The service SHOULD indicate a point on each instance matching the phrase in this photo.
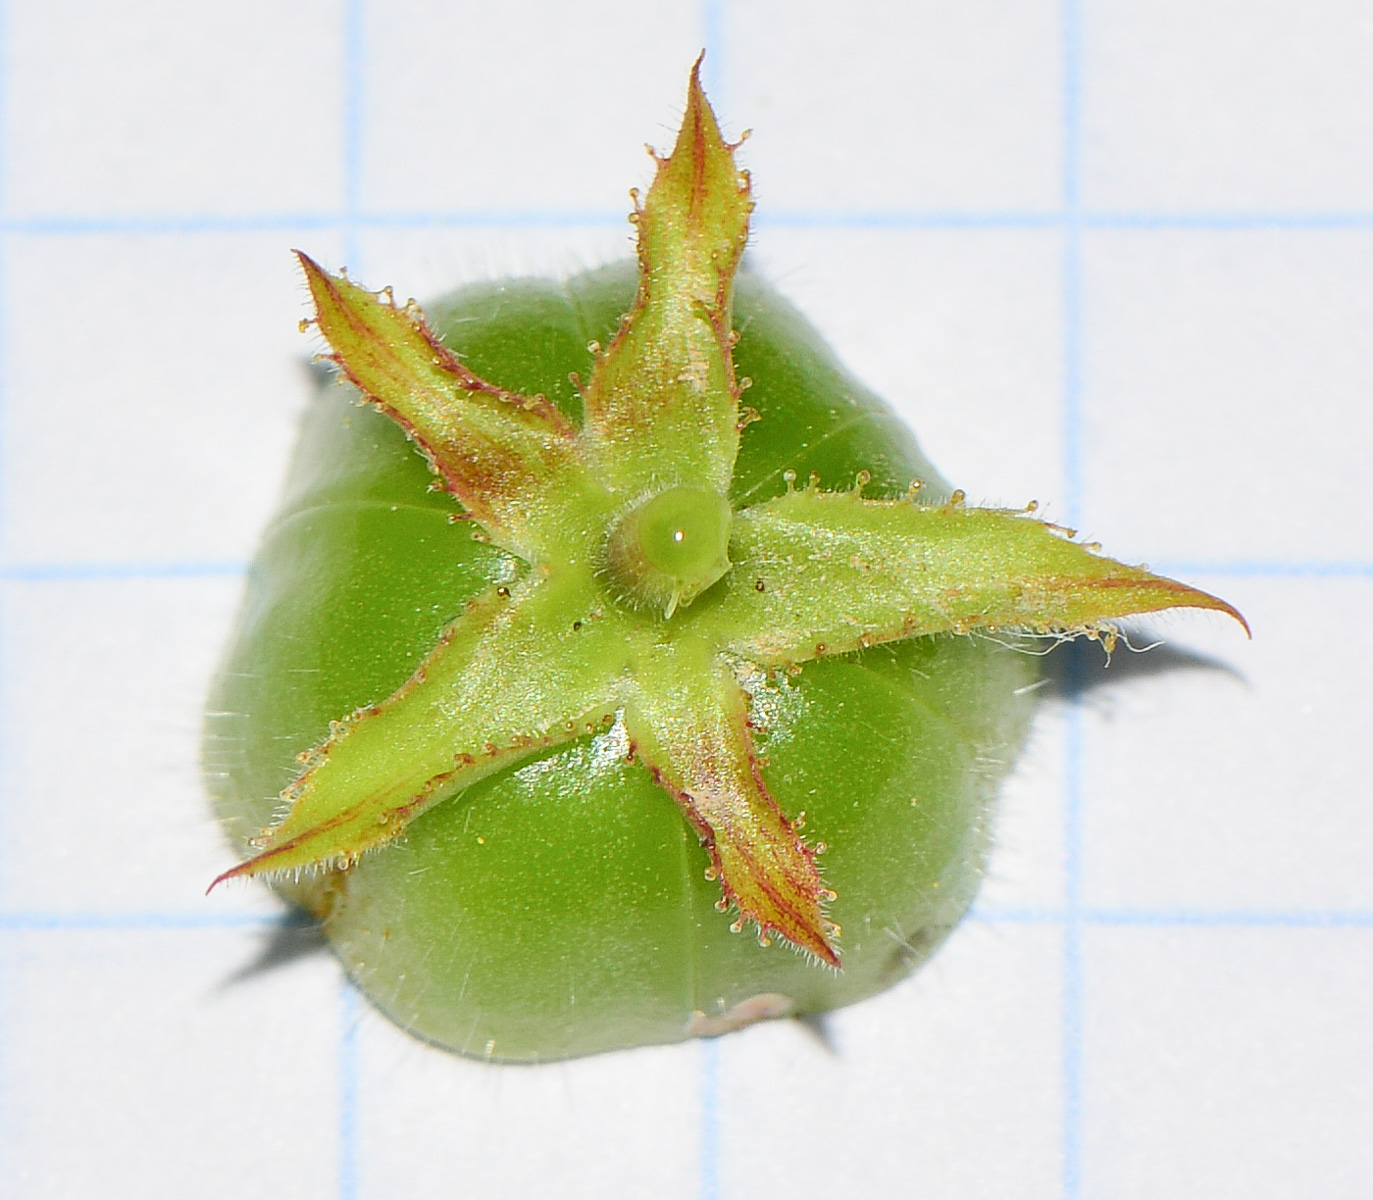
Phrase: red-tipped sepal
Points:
(697, 745)
(511, 460)
(662, 405)
(819, 573)
(511, 676)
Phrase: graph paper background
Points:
(1114, 255)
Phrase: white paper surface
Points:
(1114, 256)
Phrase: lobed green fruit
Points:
(473, 731)
(562, 906)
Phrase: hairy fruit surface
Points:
(627, 711)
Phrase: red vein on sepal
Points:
(489, 694)
(700, 753)
(395, 821)
(844, 573)
(662, 401)
(511, 460)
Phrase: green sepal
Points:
(511, 460)
(688, 723)
(510, 677)
(662, 404)
(819, 573)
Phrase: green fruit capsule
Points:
(650, 743)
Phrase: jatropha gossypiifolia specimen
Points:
(617, 616)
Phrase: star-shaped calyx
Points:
(644, 596)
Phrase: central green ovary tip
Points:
(670, 548)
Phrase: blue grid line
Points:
(83, 572)
(709, 1094)
(1071, 416)
(535, 218)
(350, 1013)
(83, 921)
(900, 219)
(80, 572)
(1242, 919)
(83, 226)
(1242, 568)
(1208, 222)
(1182, 918)
(1072, 980)
(291, 222)
(354, 84)
(4, 484)
(1223, 222)
(713, 39)
(1072, 984)
(90, 922)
